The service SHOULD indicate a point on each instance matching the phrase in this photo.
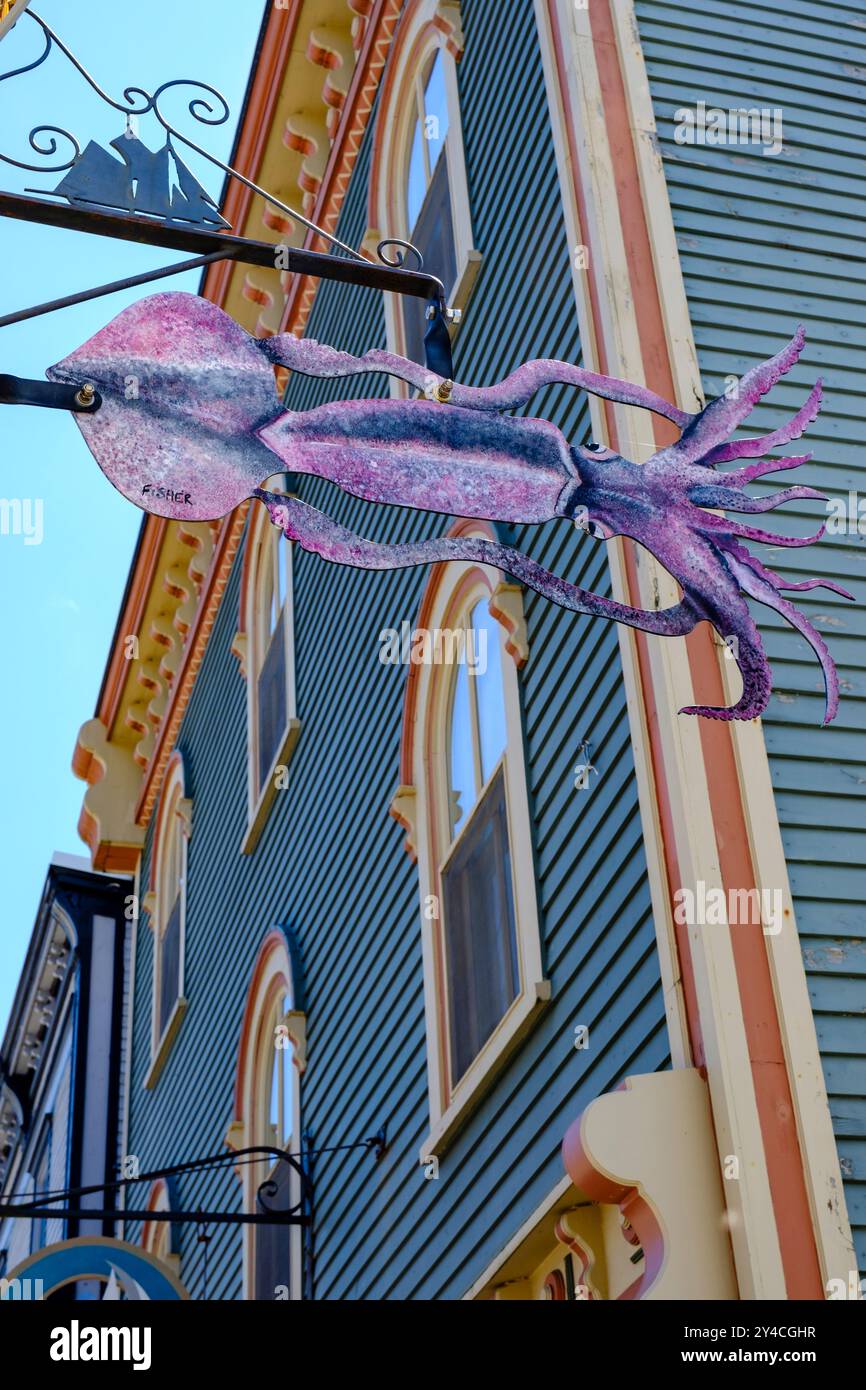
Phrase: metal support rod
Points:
(229, 1218)
(194, 240)
(68, 300)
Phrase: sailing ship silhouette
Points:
(156, 184)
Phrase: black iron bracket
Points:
(19, 390)
(301, 1214)
(212, 247)
(196, 241)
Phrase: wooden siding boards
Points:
(767, 242)
(330, 860)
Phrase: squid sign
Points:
(189, 425)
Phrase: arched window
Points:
(267, 1114)
(418, 188)
(165, 903)
(464, 801)
(157, 1236)
(266, 646)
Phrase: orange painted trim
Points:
(158, 1194)
(174, 761)
(656, 751)
(274, 941)
(409, 740)
(391, 97)
(599, 1187)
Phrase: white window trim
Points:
(271, 981)
(261, 799)
(158, 902)
(423, 806)
(425, 27)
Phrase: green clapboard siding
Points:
(768, 242)
(331, 862)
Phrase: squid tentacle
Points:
(317, 359)
(765, 592)
(761, 444)
(731, 500)
(717, 421)
(317, 532)
(745, 557)
(740, 476)
(711, 523)
(754, 669)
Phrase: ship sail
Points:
(96, 178)
(154, 184)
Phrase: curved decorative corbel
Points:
(649, 1149)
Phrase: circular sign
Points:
(127, 1270)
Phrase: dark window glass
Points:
(273, 1243)
(433, 234)
(169, 968)
(479, 927)
(272, 701)
(39, 1226)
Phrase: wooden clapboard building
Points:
(436, 904)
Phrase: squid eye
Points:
(594, 448)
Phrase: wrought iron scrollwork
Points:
(208, 107)
(398, 260)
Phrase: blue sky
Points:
(61, 597)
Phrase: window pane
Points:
(462, 765)
(417, 185)
(274, 1104)
(169, 967)
(273, 1243)
(272, 702)
(282, 571)
(435, 109)
(433, 234)
(489, 694)
(479, 929)
(288, 1081)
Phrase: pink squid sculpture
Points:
(190, 425)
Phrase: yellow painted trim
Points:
(805, 1071)
(268, 793)
(165, 1044)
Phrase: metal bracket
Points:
(19, 390)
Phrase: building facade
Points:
(411, 848)
(61, 1080)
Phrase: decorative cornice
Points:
(373, 48)
(223, 558)
(106, 823)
